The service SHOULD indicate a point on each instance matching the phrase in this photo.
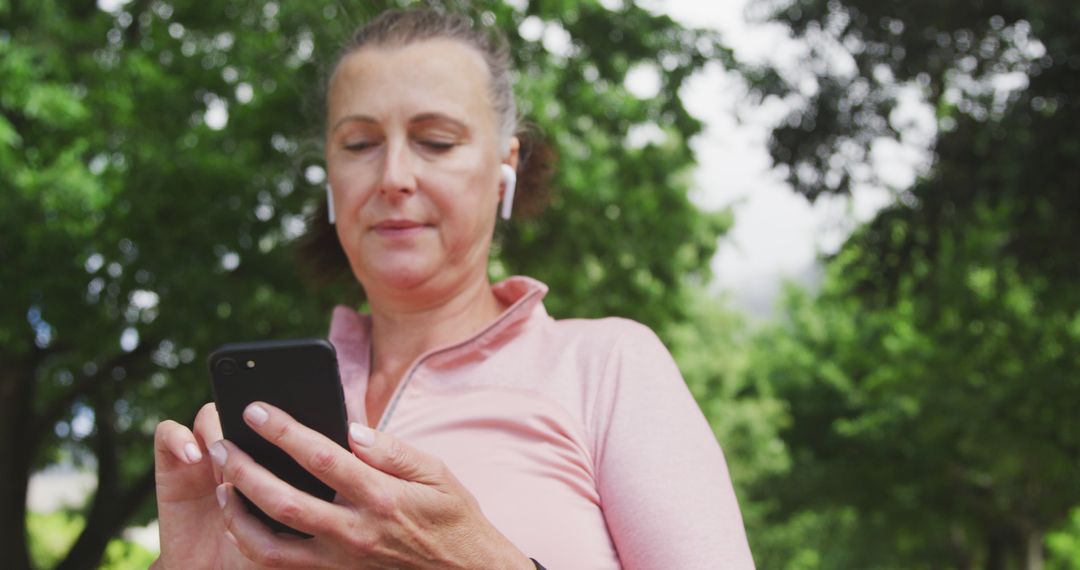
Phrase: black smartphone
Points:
(299, 376)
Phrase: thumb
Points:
(395, 457)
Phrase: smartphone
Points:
(299, 376)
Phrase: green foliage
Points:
(931, 386)
(602, 231)
(51, 535)
(1063, 546)
(153, 169)
(955, 406)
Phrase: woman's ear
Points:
(513, 153)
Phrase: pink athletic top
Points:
(578, 438)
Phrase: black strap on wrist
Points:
(538, 565)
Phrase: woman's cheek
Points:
(351, 196)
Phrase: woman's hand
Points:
(396, 507)
(191, 526)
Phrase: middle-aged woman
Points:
(502, 438)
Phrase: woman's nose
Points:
(398, 175)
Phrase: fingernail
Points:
(218, 453)
(222, 494)
(256, 414)
(229, 535)
(361, 434)
(192, 453)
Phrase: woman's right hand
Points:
(190, 523)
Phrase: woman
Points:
(504, 438)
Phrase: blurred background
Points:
(854, 222)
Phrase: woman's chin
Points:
(400, 277)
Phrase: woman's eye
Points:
(359, 146)
(438, 146)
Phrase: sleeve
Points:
(663, 482)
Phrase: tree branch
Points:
(59, 406)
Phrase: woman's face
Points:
(413, 157)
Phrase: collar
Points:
(350, 332)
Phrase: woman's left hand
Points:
(396, 506)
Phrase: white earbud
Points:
(329, 203)
(509, 181)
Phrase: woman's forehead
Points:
(440, 75)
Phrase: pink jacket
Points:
(578, 438)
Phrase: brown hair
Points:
(320, 249)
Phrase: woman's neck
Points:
(402, 333)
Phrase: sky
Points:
(778, 235)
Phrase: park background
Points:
(908, 399)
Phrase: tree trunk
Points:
(112, 506)
(1033, 550)
(962, 556)
(16, 394)
(997, 550)
(90, 546)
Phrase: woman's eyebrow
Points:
(438, 117)
(421, 118)
(353, 119)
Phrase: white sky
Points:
(778, 235)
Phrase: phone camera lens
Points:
(227, 366)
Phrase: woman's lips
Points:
(398, 228)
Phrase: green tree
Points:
(945, 422)
(931, 385)
(157, 162)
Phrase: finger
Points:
(395, 457)
(208, 423)
(207, 430)
(323, 458)
(257, 542)
(175, 444)
(181, 472)
(281, 501)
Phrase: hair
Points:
(320, 248)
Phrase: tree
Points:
(945, 422)
(929, 385)
(157, 162)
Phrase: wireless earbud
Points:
(329, 203)
(509, 176)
